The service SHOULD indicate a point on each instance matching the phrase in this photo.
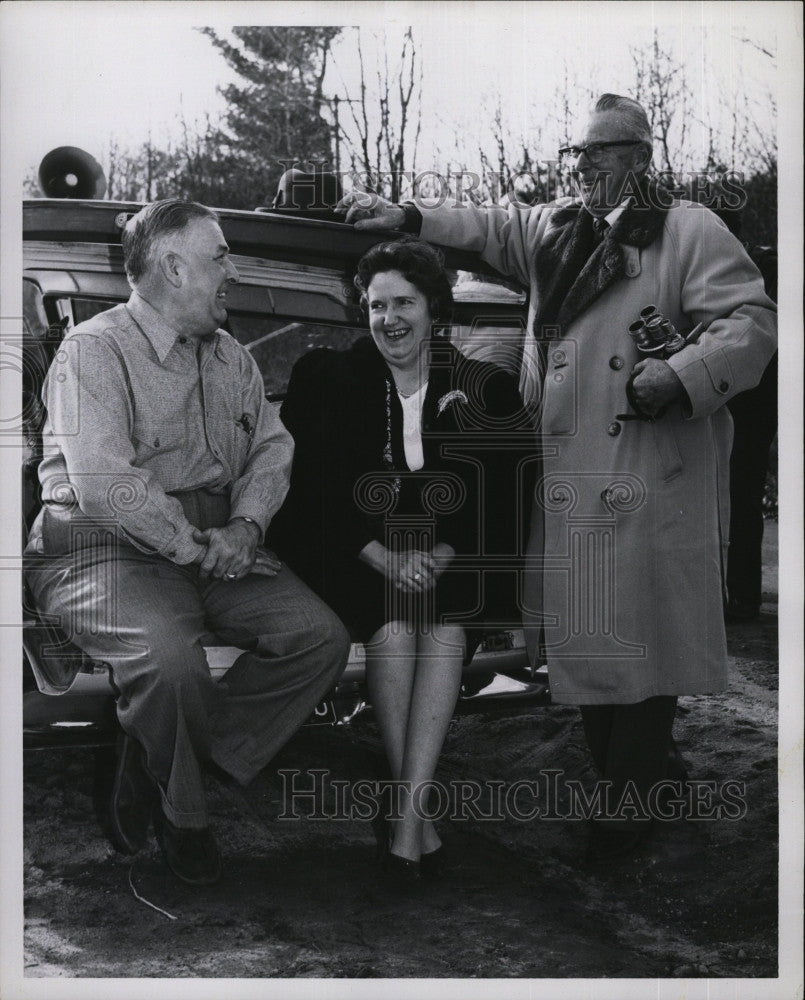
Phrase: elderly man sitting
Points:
(163, 467)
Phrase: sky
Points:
(79, 73)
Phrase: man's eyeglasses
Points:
(594, 151)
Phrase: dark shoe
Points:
(133, 799)
(740, 611)
(192, 855)
(433, 865)
(675, 767)
(607, 844)
(400, 872)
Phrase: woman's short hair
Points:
(417, 262)
(146, 230)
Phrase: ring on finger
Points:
(417, 576)
(231, 576)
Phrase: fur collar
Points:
(639, 226)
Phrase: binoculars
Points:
(654, 335)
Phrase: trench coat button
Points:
(559, 377)
(171, 555)
(723, 385)
(614, 429)
(559, 357)
(616, 363)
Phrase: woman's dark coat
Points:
(350, 482)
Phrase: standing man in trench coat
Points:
(630, 517)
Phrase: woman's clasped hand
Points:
(417, 571)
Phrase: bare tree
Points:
(661, 87)
(384, 128)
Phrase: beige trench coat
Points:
(630, 519)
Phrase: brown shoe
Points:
(192, 855)
(133, 799)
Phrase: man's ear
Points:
(169, 266)
(642, 157)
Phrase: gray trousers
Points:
(146, 616)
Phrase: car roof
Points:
(259, 234)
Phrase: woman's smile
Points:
(399, 318)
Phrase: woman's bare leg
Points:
(390, 668)
(436, 682)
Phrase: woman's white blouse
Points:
(412, 427)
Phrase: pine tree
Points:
(276, 117)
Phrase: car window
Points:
(84, 309)
(277, 343)
(281, 311)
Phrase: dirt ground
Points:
(300, 898)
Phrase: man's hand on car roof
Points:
(366, 210)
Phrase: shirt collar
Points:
(616, 213)
(160, 334)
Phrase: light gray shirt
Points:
(136, 412)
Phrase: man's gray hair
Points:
(633, 116)
(145, 231)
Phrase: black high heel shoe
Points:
(433, 865)
(401, 871)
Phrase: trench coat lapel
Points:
(603, 268)
(562, 244)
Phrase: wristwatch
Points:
(250, 520)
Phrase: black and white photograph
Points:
(402, 489)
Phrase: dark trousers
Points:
(631, 743)
(754, 414)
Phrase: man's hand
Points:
(655, 385)
(369, 211)
(266, 563)
(231, 551)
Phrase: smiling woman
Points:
(387, 524)
(400, 321)
(405, 291)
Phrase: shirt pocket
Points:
(153, 437)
